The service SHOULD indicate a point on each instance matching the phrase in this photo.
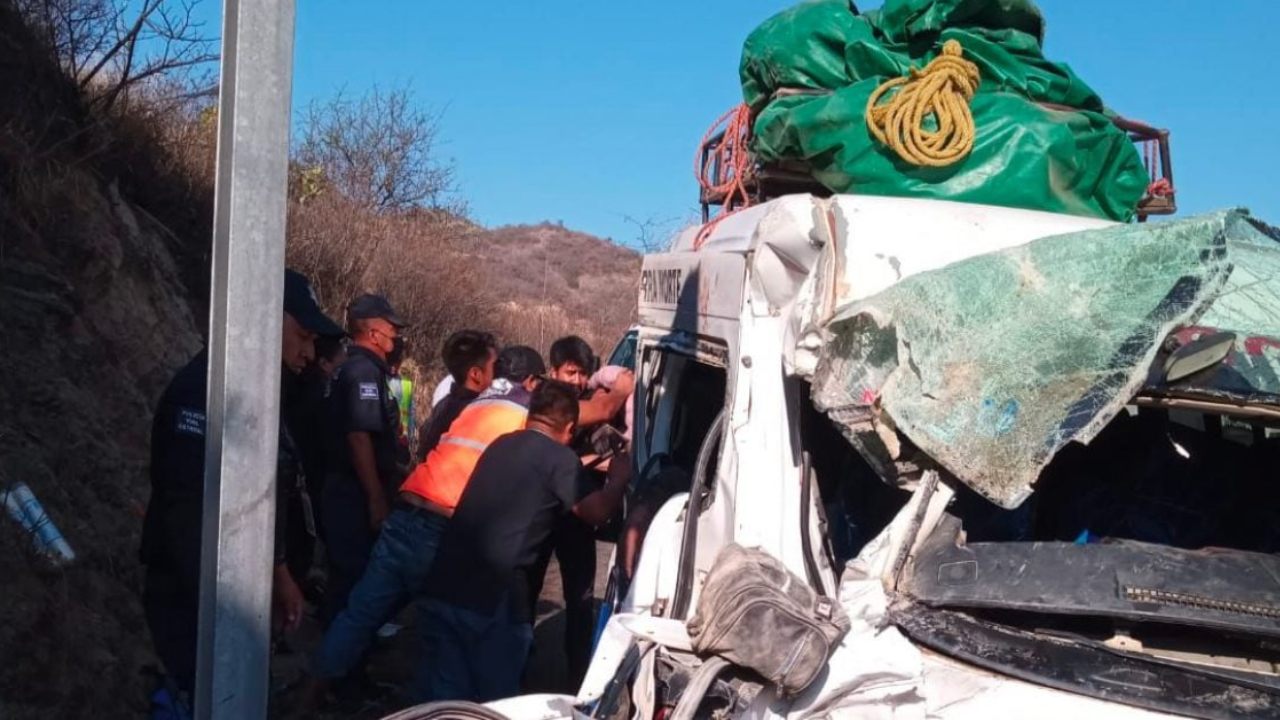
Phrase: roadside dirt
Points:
(392, 660)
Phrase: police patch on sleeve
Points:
(190, 422)
(368, 391)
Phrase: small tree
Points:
(652, 234)
(379, 151)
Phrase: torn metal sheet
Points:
(871, 243)
(994, 363)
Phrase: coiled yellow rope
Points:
(943, 89)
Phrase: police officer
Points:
(305, 419)
(171, 534)
(364, 432)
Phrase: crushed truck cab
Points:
(1017, 511)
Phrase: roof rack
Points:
(764, 182)
(1160, 198)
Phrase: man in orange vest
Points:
(404, 551)
(478, 620)
(469, 356)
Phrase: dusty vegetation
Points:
(107, 127)
(371, 209)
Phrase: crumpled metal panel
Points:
(994, 363)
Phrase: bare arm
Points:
(366, 467)
(633, 532)
(596, 509)
(604, 404)
(287, 597)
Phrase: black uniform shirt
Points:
(360, 401)
(306, 421)
(442, 416)
(172, 527)
(524, 483)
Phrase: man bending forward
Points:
(478, 625)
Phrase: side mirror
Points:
(1197, 355)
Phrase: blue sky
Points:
(588, 112)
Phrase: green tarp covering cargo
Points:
(808, 72)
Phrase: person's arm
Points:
(366, 467)
(286, 595)
(604, 404)
(436, 426)
(633, 532)
(363, 389)
(596, 508)
(287, 599)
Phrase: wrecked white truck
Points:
(1030, 456)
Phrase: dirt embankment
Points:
(93, 319)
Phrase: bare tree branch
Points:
(110, 47)
(652, 234)
(379, 151)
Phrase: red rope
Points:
(732, 159)
(1159, 186)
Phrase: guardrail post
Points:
(246, 311)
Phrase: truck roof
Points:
(953, 223)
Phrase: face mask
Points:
(397, 351)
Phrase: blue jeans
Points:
(396, 574)
(469, 655)
(348, 541)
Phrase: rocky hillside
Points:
(551, 281)
(93, 318)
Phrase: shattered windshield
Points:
(991, 365)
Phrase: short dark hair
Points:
(575, 350)
(517, 362)
(466, 349)
(554, 403)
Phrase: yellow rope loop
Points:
(943, 89)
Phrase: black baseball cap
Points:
(369, 306)
(300, 302)
(517, 362)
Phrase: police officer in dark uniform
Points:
(364, 432)
(307, 400)
(171, 534)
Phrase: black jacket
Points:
(171, 530)
(442, 416)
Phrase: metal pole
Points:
(246, 312)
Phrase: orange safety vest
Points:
(443, 476)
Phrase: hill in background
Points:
(552, 281)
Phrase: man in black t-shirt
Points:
(479, 626)
(573, 541)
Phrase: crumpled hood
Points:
(992, 364)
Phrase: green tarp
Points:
(991, 365)
(1025, 155)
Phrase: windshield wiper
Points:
(1075, 666)
(1230, 590)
